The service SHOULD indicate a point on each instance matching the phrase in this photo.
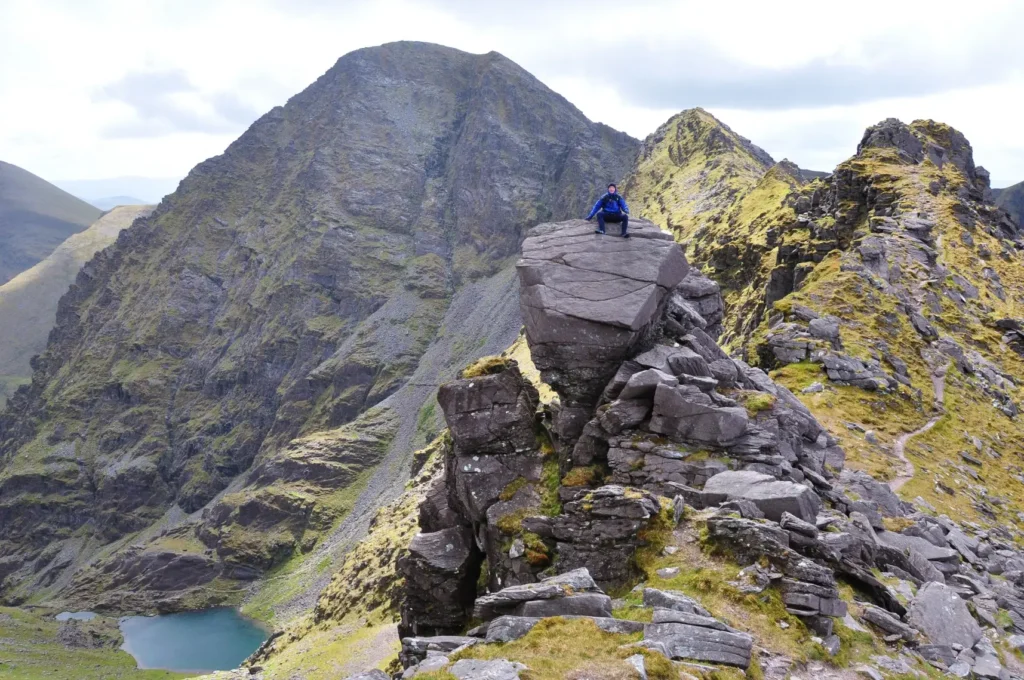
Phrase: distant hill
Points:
(109, 202)
(35, 218)
(1011, 199)
(28, 302)
(809, 174)
(148, 189)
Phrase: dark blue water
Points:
(209, 640)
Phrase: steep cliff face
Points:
(258, 328)
(35, 217)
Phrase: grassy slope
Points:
(28, 302)
(30, 650)
(35, 217)
(870, 316)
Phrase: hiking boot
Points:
(599, 231)
(626, 235)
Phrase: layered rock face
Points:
(246, 330)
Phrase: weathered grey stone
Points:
(914, 543)
(943, 654)
(825, 328)
(939, 612)
(508, 628)
(370, 675)
(495, 669)
(697, 643)
(429, 665)
(643, 384)
(771, 496)
(744, 507)
(637, 662)
(887, 622)
(879, 496)
(674, 600)
(490, 414)
(598, 530)
(507, 600)
(662, 615)
(440, 571)
(687, 413)
(589, 303)
(416, 649)
(793, 523)
(988, 666)
(582, 604)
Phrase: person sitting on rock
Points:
(611, 208)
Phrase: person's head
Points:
(612, 189)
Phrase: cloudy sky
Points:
(95, 89)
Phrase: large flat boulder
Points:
(699, 643)
(942, 615)
(771, 496)
(569, 585)
(589, 301)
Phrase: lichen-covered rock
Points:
(599, 531)
(699, 643)
(495, 669)
(490, 414)
(509, 600)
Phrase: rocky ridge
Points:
(882, 293)
(778, 500)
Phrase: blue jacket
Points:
(610, 203)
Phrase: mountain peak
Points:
(700, 163)
(926, 139)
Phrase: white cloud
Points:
(106, 88)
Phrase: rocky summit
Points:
(223, 382)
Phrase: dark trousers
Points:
(603, 217)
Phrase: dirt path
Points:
(899, 448)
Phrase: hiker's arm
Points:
(593, 211)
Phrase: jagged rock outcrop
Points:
(290, 286)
